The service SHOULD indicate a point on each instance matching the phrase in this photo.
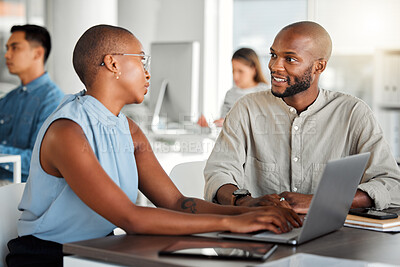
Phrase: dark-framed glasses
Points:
(144, 58)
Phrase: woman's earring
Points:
(117, 76)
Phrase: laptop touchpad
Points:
(295, 232)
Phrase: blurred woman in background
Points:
(247, 76)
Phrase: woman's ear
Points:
(111, 63)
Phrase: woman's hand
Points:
(219, 122)
(275, 219)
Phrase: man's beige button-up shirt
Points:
(266, 147)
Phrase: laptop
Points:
(329, 206)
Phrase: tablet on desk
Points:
(220, 250)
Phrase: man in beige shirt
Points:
(274, 144)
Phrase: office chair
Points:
(189, 178)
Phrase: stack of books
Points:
(389, 225)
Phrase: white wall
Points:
(358, 27)
(141, 18)
(208, 22)
(218, 20)
(67, 21)
(205, 21)
(165, 21)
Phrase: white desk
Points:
(171, 150)
(16, 160)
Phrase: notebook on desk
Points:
(390, 225)
(329, 206)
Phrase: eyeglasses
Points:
(145, 59)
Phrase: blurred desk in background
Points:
(173, 149)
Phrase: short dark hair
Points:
(35, 33)
(93, 45)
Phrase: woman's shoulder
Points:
(262, 86)
(70, 105)
(232, 90)
(256, 99)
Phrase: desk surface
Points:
(142, 250)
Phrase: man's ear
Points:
(39, 52)
(321, 65)
(111, 63)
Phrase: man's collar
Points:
(36, 83)
(318, 102)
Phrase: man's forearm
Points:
(362, 200)
(224, 197)
(224, 194)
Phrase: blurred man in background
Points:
(24, 109)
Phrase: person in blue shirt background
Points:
(24, 109)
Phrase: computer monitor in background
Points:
(174, 85)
